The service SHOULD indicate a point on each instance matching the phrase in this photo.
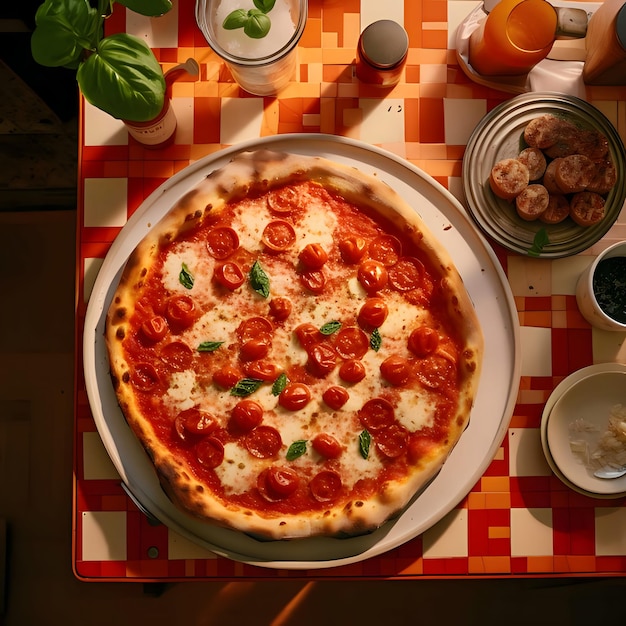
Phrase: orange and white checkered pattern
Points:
(519, 519)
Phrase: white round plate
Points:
(590, 400)
(485, 282)
(599, 488)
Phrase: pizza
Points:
(293, 348)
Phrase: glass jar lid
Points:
(384, 44)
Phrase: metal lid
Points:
(384, 44)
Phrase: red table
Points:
(519, 519)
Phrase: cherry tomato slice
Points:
(263, 442)
(155, 328)
(313, 256)
(227, 376)
(294, 396)
(352, 371)
(144, 377)
(322, 359)
(276, 483)
(351, 343)
(177, 354)
(325, 485)
(373, 313)
(180, 311)
(283, 200)
(278, 235)
(396, 370)
(335, 397)
(253, 327)
(423, 341)
(392, 441)
(282, 480)
(308, 335)
(194, 422)
(280, 308)
(436, 372)
(352, 249)
(246, 415)
(406, 274)
(326, 445)
(222, 241)
(313, 280)
(372, 275)
(229, 275)
(256, 347)
(261, 370)
(386, 249)
(377, 414)
(210, 452)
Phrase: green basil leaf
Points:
(236, 19)
(257, 24)
(209, 346)
(539, 242)
(64, 29)
(330, 327)
(264, 5)
(279, 384)
(245, 387)
(259, 280)
(186, 277)
(365, 441)
(296, 449)
(123, 78)
(376, 340)
(150, 8)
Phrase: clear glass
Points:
(513, 38)
(260, 66)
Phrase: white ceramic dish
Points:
(554, 396)
(588, 398)
(486, 283)
(586, 298)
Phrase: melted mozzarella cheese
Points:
(223, 314)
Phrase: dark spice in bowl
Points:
(609, 287)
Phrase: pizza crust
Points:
(250, 174)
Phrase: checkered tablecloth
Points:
(519, 519)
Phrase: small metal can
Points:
(381, 53)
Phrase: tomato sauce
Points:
(387, 259)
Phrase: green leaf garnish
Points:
(279, 384)
(376, 340)
(365, 441)
(236, 19)
(255, 22)
(257, 25)
(264, 5)
(245, 387)
(296, 449)
(186, 277)
(259, 280)
(209, 346)
(539, 242)
(330, 327)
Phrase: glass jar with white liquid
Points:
(265, 62)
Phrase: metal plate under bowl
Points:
(499, 135)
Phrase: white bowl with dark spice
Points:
(601, 289)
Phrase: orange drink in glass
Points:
(514, 37)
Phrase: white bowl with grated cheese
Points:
(586, 430)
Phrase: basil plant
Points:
(118, 73)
